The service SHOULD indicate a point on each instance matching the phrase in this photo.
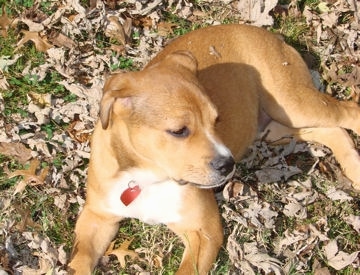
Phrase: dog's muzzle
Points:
(223, 168)
(224, 165)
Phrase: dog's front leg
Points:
(201, 231)
(93, 234)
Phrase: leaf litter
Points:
(268, 209)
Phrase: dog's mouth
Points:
(202, 186)
(208, 186)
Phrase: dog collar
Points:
(130, 193)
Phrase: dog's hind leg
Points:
(304, 106)
(201, 232)
(93, 235)
(337, 139)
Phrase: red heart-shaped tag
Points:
(130, 194)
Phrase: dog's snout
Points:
(223, 164)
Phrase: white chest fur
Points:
(158, 201)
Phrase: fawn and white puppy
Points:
(171, 132)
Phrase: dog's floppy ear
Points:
(184, 59)
(114, 90)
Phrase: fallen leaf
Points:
(261, 260)
(238, 190)
(16, 150)
(35, 14)
(4, 85)
(290, 238)
(77, 132)
(340, 195)
(147, 9)
(39, 105)
(276, 173)
(231, 215)
(62, 255)
(60, 201)
(45, 266)
(30, 176)
(354, 221)
(61, 40)
(165, 28)
(26, 220)
(256, 12)
(322, 271)
(329, 19)
(42, 100)
(5, 62)
(143, 22)
(5, 22)
(338, 259)
(122, 252)
(295, 209)
(116, 31)
(41, 44)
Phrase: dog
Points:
(169, 134)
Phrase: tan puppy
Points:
(164, 132)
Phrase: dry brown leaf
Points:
(41, 44)
(35, 14)
(122, 252)
(319, 269)
(16, 150)
(354, 221)
(199, 13)
(61, 201)
(336, 194)
(165, 28)
(276, 173)
(295, 209)
(45, 266)
(61, 40)
(158, 261)
(127, 26)
(143, 22)
(5, 263)
(322, 271)
(248, 256)
(147, 9)
(256, 12)
(30, 176)
(117, 48)
(5, 22)
(26, 220)
(236, 189)
(116, 31)
(77, 134)
(338, 259)
(41, 100)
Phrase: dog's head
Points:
(166, 122)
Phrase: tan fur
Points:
(169, 124)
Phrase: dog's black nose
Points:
(225, 165)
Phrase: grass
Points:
(9, 164)
(159, 249)
(123, 63)
(16, 97)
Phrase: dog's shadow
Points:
(243, 115)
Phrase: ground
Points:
(288, 210)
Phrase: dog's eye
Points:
(181, 133)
